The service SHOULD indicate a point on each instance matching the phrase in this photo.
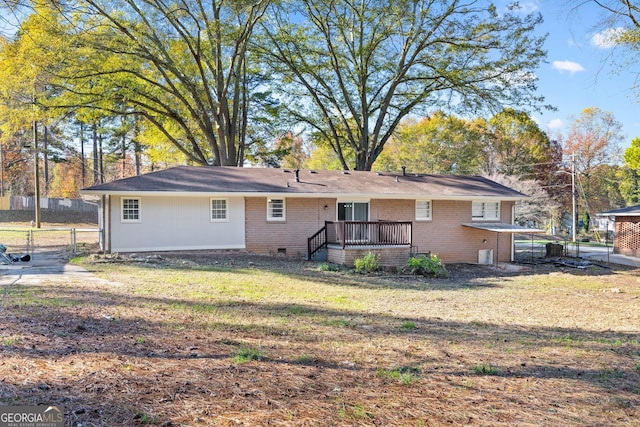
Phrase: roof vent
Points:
(404, 171)
(297, 172)
(345, 172)
(397, 180)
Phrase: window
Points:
(485, 210)
(131, 210)
(423, 210)
(219, 210)
(275, 210)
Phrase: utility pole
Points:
(36, 173)
(573, 197)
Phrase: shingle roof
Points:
(628, 211)
(230, 180)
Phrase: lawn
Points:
(256, 341)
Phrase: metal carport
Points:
(501, 227)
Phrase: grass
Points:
(408, 326)
(230, 343)
(246, 354)
(405, 374)
(19, 239)
(485, 369)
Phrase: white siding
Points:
(177, 223)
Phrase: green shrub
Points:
(367, 264)
(427, 265)
(485, 369)
(408, 326)
(405, 374)
(326, 266)
(246, 354)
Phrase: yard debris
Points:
(580, 264)
(8, 259)
(123, 258)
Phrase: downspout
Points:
(102, 231)
(513, 236)
(109, 229)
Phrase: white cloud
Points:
(570, 66)
(555, 124)
(606, 39)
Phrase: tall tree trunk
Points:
(82, 157)
(124, 155)
(94, 136)
(101, 160)
(137, 147)
(1, 172)
(45, 159)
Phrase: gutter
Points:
(95, 195)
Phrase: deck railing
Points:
(317, 242)
(368, 233)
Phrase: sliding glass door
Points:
(355, 211)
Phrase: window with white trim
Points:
(275, 210)
(423, 210)
(130, 210)
(485, 211)
(219, 210)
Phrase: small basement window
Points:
(423, 210)
(485, 211)
(219, 210)
(130, 210)
(275, 210)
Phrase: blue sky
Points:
(580, 73)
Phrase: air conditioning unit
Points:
(485, 256)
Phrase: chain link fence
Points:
(26, 240)
(538, 249)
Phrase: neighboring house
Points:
(626, 240)
(335, 214)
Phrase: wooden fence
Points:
(27, 203)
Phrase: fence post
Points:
(30, 243)
(74, 245)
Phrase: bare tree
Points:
(354, 70)
(539, 208)
(182, 66)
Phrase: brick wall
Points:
(303, 218)
(387, 257)
(627, 236)
(444, 235)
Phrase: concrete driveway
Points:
(611, 258)
(48, 266)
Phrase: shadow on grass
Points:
(49, 322)
(71, 315)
